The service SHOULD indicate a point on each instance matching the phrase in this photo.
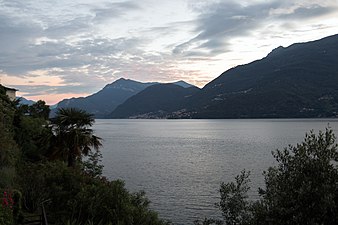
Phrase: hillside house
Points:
(11, 93)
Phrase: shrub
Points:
(75, 196)
(6, 208)
(301, 189)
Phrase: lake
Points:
(180, 164)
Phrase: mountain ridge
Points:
(298, 81)
(286, 83)
(156, 101)
(109, 97)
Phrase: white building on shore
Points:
(11, 93)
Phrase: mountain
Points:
(107, 99)
(298, 81)
(157, 101)
(183, 84)
(24, 101)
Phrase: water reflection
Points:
(181, 163)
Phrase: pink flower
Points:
(10, 198)
(7, 200)
(4, 202)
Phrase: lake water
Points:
(181, 163)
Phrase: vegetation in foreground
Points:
(301, 189)
(41, 161)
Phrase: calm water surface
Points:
(181, 163)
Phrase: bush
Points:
(8, 148)
(6, 216)
(77, 194)
(6, 208)
(234, 204)
(76, 197)
(301, 189)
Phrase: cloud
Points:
(54, 41)
(220, 22)
(87, 44)
(71, 27)
(36, 90)
(113, 9)
(30, 52)
(302, 12)
(16, 34)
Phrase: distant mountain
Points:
(24, 101)
(157, 101)
(298, 81)
(53, 106)
(183, 84)
(107, 99)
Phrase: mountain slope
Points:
(107, 99)
(24, 101)
(183, 84)
(298, 81)
(157, 101)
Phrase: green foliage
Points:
(17, 207)
(31, 130)
(6, 207)
(234, 204)
(92, 165)
(78, 198)
(89, 222)
(208, 221)
(301, 189)
(72, 195)
(36, 110)
(70, 118)
(30, 134)
(6, 216)
(8, 148)
(73, 137)
(39, 110)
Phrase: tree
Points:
(39, 110)
(73, 137)
(301, 189)
(8, 148)
(31, 129)
(234, 204)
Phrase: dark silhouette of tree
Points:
(72, 135)
(39, 109)
(301, 189)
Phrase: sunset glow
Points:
(53, 51)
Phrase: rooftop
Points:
(9, 89)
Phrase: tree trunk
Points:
(71, 160)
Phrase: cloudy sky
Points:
(52, 50)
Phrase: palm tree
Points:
(72, 136)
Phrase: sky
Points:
(52, 50)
